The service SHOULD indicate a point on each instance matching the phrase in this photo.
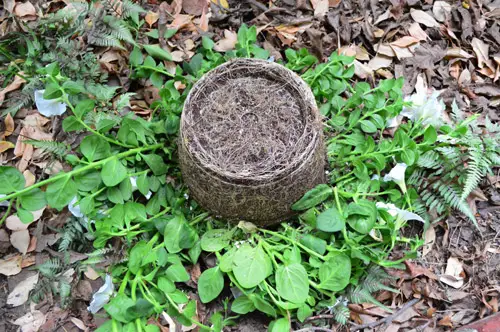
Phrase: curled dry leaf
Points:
(6, 145)
(25, 10)
(320, 7)
(385, 49)
(482, 53)
(405, 41)
(222, 3)
(79, 323)
(227, 43)
(20, 240)
(29, 178)
(31, 322)
(454, 273)
(11, 266)
(429, 239)
(422, 17)
(151, 18)
(194, 7)
(361, 70)
(14, 85)
(379, 61)
(9, 126)
(20, 293)
(456, 52)
(417, 32)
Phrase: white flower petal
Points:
(148, 195)
(133, 181)
(407, 215)
(4, 203)
(75, 210)
(46, 107)
(102, 296)
(397, 173)
(395, 211)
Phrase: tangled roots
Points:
(251, 141)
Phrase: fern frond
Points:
(341, 313)
(130, 9)
(430, 159)
(104, 39)
(58, 149)
(476, 170)
(50, 268)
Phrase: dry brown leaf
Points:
(9, 125)
(465, 77)
(31, 322)
(348, 50)
(403, 52)
(361, 70)
(385, 49)
(151, 18)
(222, 3)
(6, 145)
(20, 293)
(378, 33)
(482, 53)
(14, 85)
(203, 21)
(380, 61)
(15, 224)
(385, 73)
(446, 321)
(228, 42)
(429, 239)
(29, 178)
(91, 273)
(417, 32)
(20, 240)
(182, 22)
(454, 273)
(194, 7)
(11, 266)
(455, 70)
(456, 52)
(334, 3)
(422, 17)
(441, 9)
(79, 323)
(9, 5)
(25, 10)
(28, 260)
(362, 54)
(405, 41)
(320, 7)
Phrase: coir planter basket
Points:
(251, 141)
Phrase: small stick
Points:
(311, 329)
(388, 319)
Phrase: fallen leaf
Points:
(25, 9)
(403, 52)
(456, 52)
(11, 266)
(429, 239)
(320, 7)
(151, 18)
(465, 77)
(9, 5)
(6, 145)
(222, 3)
(20, 293)
(490, 90)
(385, 49)
(228, 42)
(14, 85)
(417, 32)
(405, 41)
(9, 126)
(453, 275)
(20, 240)
(182, 22)
(28, 260)
(79, 323)
(193, 7)
(379, 61)
(91, 273)
(441, 9)
(31, 322)
(416, 270)
(422, 17)
(203, 21)
(361, 70)
(15, 224)
(29, 178)
(446, 321)
(482, 53)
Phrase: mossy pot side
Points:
(251, 141)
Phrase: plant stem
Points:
(81, 170)
(298, 244)
(6, 213)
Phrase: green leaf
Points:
(33, 200)
(118, 307)
(166, 285)
(226, 261)
(143, 183)
(87, 205)
(430, 135)
(177, 273)
(11, 179)
(210, 284)
(172, 234)
(314, 243)
(84, 107)
(25, 216)
(262, 305)
(335, 273)
(88, 181)
(362, 215)
(207, 43)
(242, 305)
(136, 58)
(330, 221)
(313, 197)
(113, 172)
(215, 240)
(280, 325)
(368, 127)
(115, 195)
(292, 283)
(251, 265)
(156, 163)
(95, 148)
(61, 192)
(157, 52)
(73, 88)
(71, 123)
(303, 312)
(52, 91)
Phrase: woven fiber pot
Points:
(251, 141)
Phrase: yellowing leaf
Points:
(151, 18)
(222, 3)
(5, 145)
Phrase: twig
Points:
(320, 317)
(386, 320)
(257, 4)
(312, 328)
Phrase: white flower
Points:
(397, 174)
(394, 122)
(75, 210)
(375, 177)
(399, 213)
(48, 107)
(425, 105)
(102, 296)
